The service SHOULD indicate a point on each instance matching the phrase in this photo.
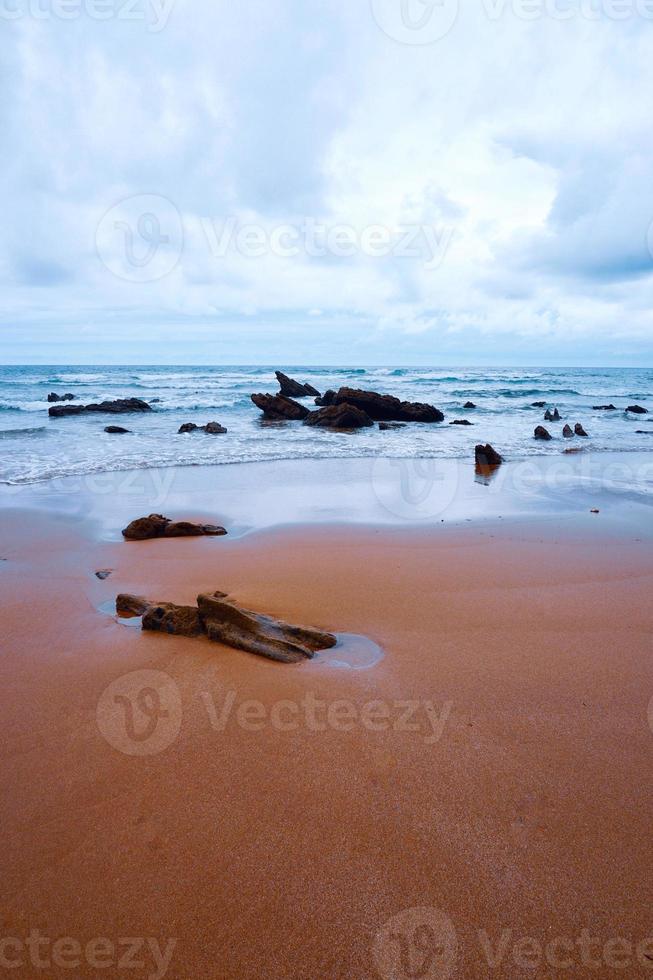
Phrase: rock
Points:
(166, 617)
(157, 526)
(54, 397)
(383, 426)
(579, 430)
(550, 416)
(213, 428)
(487, 456)
(568, 432)
(187, 427)
(595, 510)
(538, 404)
(117, 406)
(637, 410)
(461, 422)
(339, 417)
(225, 622)
(469, 405)
(294, 389)
(604, 408)
(103, 573)
(387, 408)
(570, 450)
(542, 433)
(115, 429)
(279, 407)
(327, 398)
(221, 620)
(644, 432)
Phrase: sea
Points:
(35, 447)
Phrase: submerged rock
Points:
(117, 406)
(387, 408)
(339, 417)
(157, 526)
(213, 428)
(54, 397)
(461, 422)
(604, 408)
(538, 404)
(294, 389)
(279, 407)
(637, 410)
(487, 456)
(115, 429)
(568, 432)
(550, 416)
(469, 405)
(542, 433)
(383, 426)
(221, 620)
(579, 430)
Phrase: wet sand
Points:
(492, 766)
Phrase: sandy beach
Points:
(475, 801)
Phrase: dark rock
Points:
(542, 433)
(568, 432)
(461, 422)
(637, 410)
(103, 573)
(339, 417)
(294, 389)
(214, 429)
(538, 404)
(579, 430)
(328, 398)
(115, 429)
(187, 427)
(644, 432)
(387, 408)
(115, 407)
(54, 397)
(391, 425)
(604, 408)
(131, 605)
(157, 526)
(487, 456)
(279, 407)
(166, 617)
(552, 416)
(227, 623)
(469, 405)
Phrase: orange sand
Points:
(281, 854)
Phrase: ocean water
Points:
(34, 447)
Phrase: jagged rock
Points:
(115, 429)
(383, 426)
(550, 416)
(326, 399)
(487, 456)
(461, 422)
(117, 406)
(279, 407)
(604, 408)
(187, 427)
(213, 428)
(54, 397)
(294, 389)
(469, 405)
(157, 526)
(579, 430)
(387, 408)
(221, 620)
(225, 622)
(637, 410)
(538, 404)
(339, 417)
(568, 432)
(542, 433)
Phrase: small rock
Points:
(187, 427)
(103, 573)
(461, 422)
(54, 397)
(166, 617)
(550, 416)
(294, 389)
(604, 408)
(469, 405)
(538, 404)
(214, 429)
(637, 410)
(391, 425)
(119, 405)
(116, 429)
(279, 407)
(568, 432)
(346, 417)
(542, 433)
(157, 526)
(580, 431)
(595, 510)
(487, 456)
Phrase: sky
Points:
(327, 182)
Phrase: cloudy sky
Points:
(327, 181)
